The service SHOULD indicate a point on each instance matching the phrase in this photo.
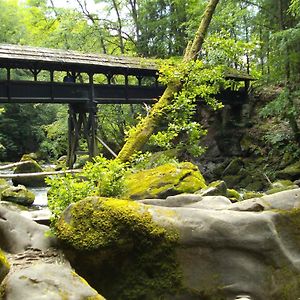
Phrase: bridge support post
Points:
(82, 122)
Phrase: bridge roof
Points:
(16, 56)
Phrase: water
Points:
(40, 196)
(40, 192)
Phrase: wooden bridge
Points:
(82, 81)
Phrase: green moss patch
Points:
(4, 266)
(18, 195)
(119, 249)
(166, 180)
(30, 167)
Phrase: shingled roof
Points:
(53, 59)
(16, 56)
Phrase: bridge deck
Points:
(68, 93)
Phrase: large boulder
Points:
(223, 249)
(166, 180)
(18, 194)
(29, 166)
(226, 253)
(116, 246)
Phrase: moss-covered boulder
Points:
(18, 194)
(118, 249)
(4, 266)
(30, 166)
(215, 188)
(233, 195)
(3, 185)
(291, 172)
(166, 180)
(251, 194)
(281, 185)
(234, 167)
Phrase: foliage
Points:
(148, 160)
(103, 177)
(109, 175)
(281, 106)
(200, 84)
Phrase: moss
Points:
(3, 185)
(18, 195)
(287, 279)
(234, 167)
(31, 167)
(250, 195)
(4, 266)
(232, 180)
(278, 189)
(166, 180)
(233, 195)
(130, 256)
(291, 172)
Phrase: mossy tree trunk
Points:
(146, 127)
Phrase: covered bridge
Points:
(80, 80)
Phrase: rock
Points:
(211, 202)
(286, 200)
(291, 172)
(41, 216)
(233, 195)
(117, 247)
(4, 266)
(3, 185)
(164, 181)
(233, 167)
(222, 253)
(31, 167)
(215, 188)
(19, 195)
(81, 161)
(281, 185)
(49, 282)
(250, 195)
(248, 205)
(18, 233)
(44, 275)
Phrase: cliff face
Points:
(245, 149)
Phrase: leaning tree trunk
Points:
(146, 127)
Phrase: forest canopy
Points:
(260, 37)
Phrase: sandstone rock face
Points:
(225, 253)
(56, 281)
(37, 270)
(18, 194)
(165, 180)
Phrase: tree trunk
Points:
(146, 127)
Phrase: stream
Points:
(38, 210)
